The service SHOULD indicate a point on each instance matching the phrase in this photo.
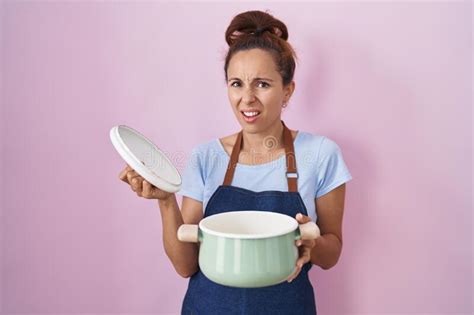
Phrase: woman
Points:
(255, 169)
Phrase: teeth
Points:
(250, 114)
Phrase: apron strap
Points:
(233, 160)
(291, 172)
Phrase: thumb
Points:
(302, 218)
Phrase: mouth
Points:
(250, 115)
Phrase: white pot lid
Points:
(145, 158)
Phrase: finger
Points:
(147, 189)
(302, 260)
(301, 218)
(305, 243)
(131, 175)
(137, 184)
(305, 256)
(294, 274)
(123, 175)
(133, 183)
(124, 172)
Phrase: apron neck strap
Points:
(291, 173)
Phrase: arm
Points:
(328, 247)
(183, 255)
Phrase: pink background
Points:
(389, 82)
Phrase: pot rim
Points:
(292, 226)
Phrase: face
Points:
(255, 90)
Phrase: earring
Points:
(284, 104)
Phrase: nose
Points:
(248, 95)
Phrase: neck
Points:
(265, 141)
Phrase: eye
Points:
(265, 84)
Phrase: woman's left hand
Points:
(304, 249)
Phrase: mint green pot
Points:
(248, 249)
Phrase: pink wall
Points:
(389, 82)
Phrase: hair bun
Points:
(259, 31)
(254, 23)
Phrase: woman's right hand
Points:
(142, 187)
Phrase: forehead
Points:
(252, 63)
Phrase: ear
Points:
(289, 89)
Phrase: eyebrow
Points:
(256, 79)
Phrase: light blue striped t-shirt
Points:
(319, 162)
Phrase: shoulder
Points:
(328, 147)
(228, 142)
(309, 137)
(307, 141)
(206, 153)
(316, 145)
(316, 139)
(205, 148)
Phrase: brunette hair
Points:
(257, 29)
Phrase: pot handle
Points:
(188, 233)
(307, 231)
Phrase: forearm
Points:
(326, 251)
(183, 255)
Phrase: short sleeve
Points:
(192, 181)
(332, 170)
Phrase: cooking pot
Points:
(248, 249)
